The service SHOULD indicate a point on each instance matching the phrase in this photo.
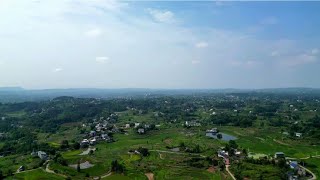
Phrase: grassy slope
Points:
(314, 165)
(38, 174)
(171, 166)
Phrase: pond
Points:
(225, 137)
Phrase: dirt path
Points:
(108, 174)
(180, 153)
(308, 157)
(86, 152)
(232, 176)
(280, 142)
(260, 138)
(26, 171)
(52, 172)
(314, 177)
(49, 170)
(160, 155)
(150, 176)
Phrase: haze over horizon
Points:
(169, 45)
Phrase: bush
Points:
(143, 151)
(117, 167)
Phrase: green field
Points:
(314, 165)
(38, 174)
(168, 166)
(270, 140)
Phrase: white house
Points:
(42, 155)
(299, 135)
(136, 125)
(141, 131)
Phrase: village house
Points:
(213, 131)
(127, 126)
(299, 135)
(192, 124)
(84, 143)
(2, 135)
(223, 154)
(279, 155)
(136, 125)
(93, 142)
(42, 155)
(294, 165)
(92, 133)
(146, 126)
(21, 168)
(141, 131)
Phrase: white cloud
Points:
(274, 53)
(247, 64)
(95, 32)
(314, 51)
(57, 70)
(269, 21)
(102, 60)
(235, 63)
(195, 62)
(299, 59)
(201, 45)
(111, 5)
(163, 16)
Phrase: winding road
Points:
(314, 177)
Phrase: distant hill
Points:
(18, 94)
(11, 89)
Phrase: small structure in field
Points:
(127, 126)
(141, 131)
(299, 135)
(279, 155)
(294, 165)
(42, 155)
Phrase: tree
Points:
(197, 149)
(78, 166)
(152, 126)
(182, 145)
(219, 136)
(10, 173)
(64, 144)
(233, 144)
(117, 167)
(143, 151)
(1, 175)
(76, 145)
(244, 151)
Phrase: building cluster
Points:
(102, 128)
(193, 123)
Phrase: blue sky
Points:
(119, 44)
